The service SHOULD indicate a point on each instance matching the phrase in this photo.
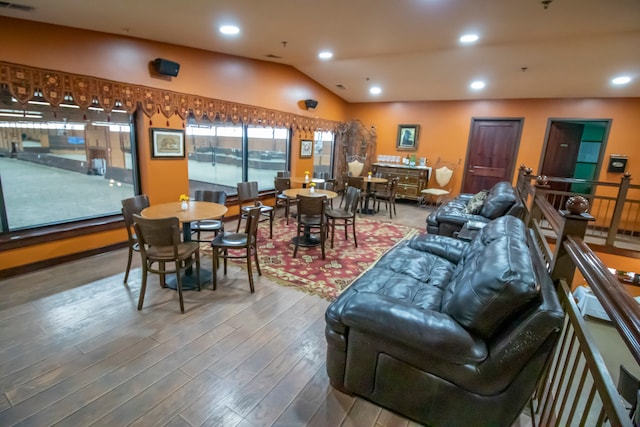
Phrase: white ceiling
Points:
(409, 48)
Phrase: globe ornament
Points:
(577, 205)
(542, 180)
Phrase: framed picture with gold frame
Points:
(407, 137)
(167, 143)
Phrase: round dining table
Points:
(195, 211)
(369, 183)
(305, 182)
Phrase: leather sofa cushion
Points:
(497, 282)
(500, 199)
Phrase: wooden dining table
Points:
(369, 183)
(195, 211)
(305, 182)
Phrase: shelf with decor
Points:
(411, 179)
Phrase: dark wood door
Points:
(561, 155)
(491, 153)
(562, 149)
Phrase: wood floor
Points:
(74, 351)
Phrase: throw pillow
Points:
(474, 205)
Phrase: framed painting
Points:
(306, 148)
(407, 137)
(167, 143)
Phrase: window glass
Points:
(215, 157)
(267, 148)
(323, 152)
(216, 160)
(62, 165)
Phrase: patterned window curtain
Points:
(27, 83)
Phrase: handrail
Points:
(623, 310)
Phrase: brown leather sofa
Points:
(447, 332)
(450, 217)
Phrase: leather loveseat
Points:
(447, 332)
(484, 206)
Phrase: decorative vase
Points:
(312, 189)
(577, 205)
(184, 206)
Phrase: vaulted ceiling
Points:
(409, 48)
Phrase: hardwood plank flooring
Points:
(75, 351)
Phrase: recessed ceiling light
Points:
(622, 80)
(229, 30)
(375, 90)
(477, 85)
(469, 38)
(325, 55)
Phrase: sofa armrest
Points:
(430, 332)
(443, 246)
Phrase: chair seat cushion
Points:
(166, 252)
(230, 239)
(206, 225)
(338, 213)
(435, 191)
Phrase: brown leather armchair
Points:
(445, 332)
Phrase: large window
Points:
(323, 152)
(62, 165)
(221, 155)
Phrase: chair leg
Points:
(322, 239)
(179, 282)
(249, 270)
(354, 234)
(198, 270)
(333, 230)
(126, 274)
(272, 215)
(216, 262)
(143, 288)
(255, 254)
(295, 248)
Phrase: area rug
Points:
(326, 278)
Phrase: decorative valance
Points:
(55, 87)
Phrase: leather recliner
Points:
(450, 217)
(447, 332)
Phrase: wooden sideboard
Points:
(411, 179)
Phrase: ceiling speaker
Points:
(310, 103)
(166, 67)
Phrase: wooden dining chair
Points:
(160, 244)
(281, 184)
(387, 196)
(214, 226)
(246, 242)
(247, 199)
(311, 220)
(131, 206)
(345, 216)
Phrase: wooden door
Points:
(562, 148)
(491, 153)
(561, 155)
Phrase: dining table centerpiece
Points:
(185, 202)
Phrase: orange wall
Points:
(445, 125)
(125, 59)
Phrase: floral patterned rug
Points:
(342, 264)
